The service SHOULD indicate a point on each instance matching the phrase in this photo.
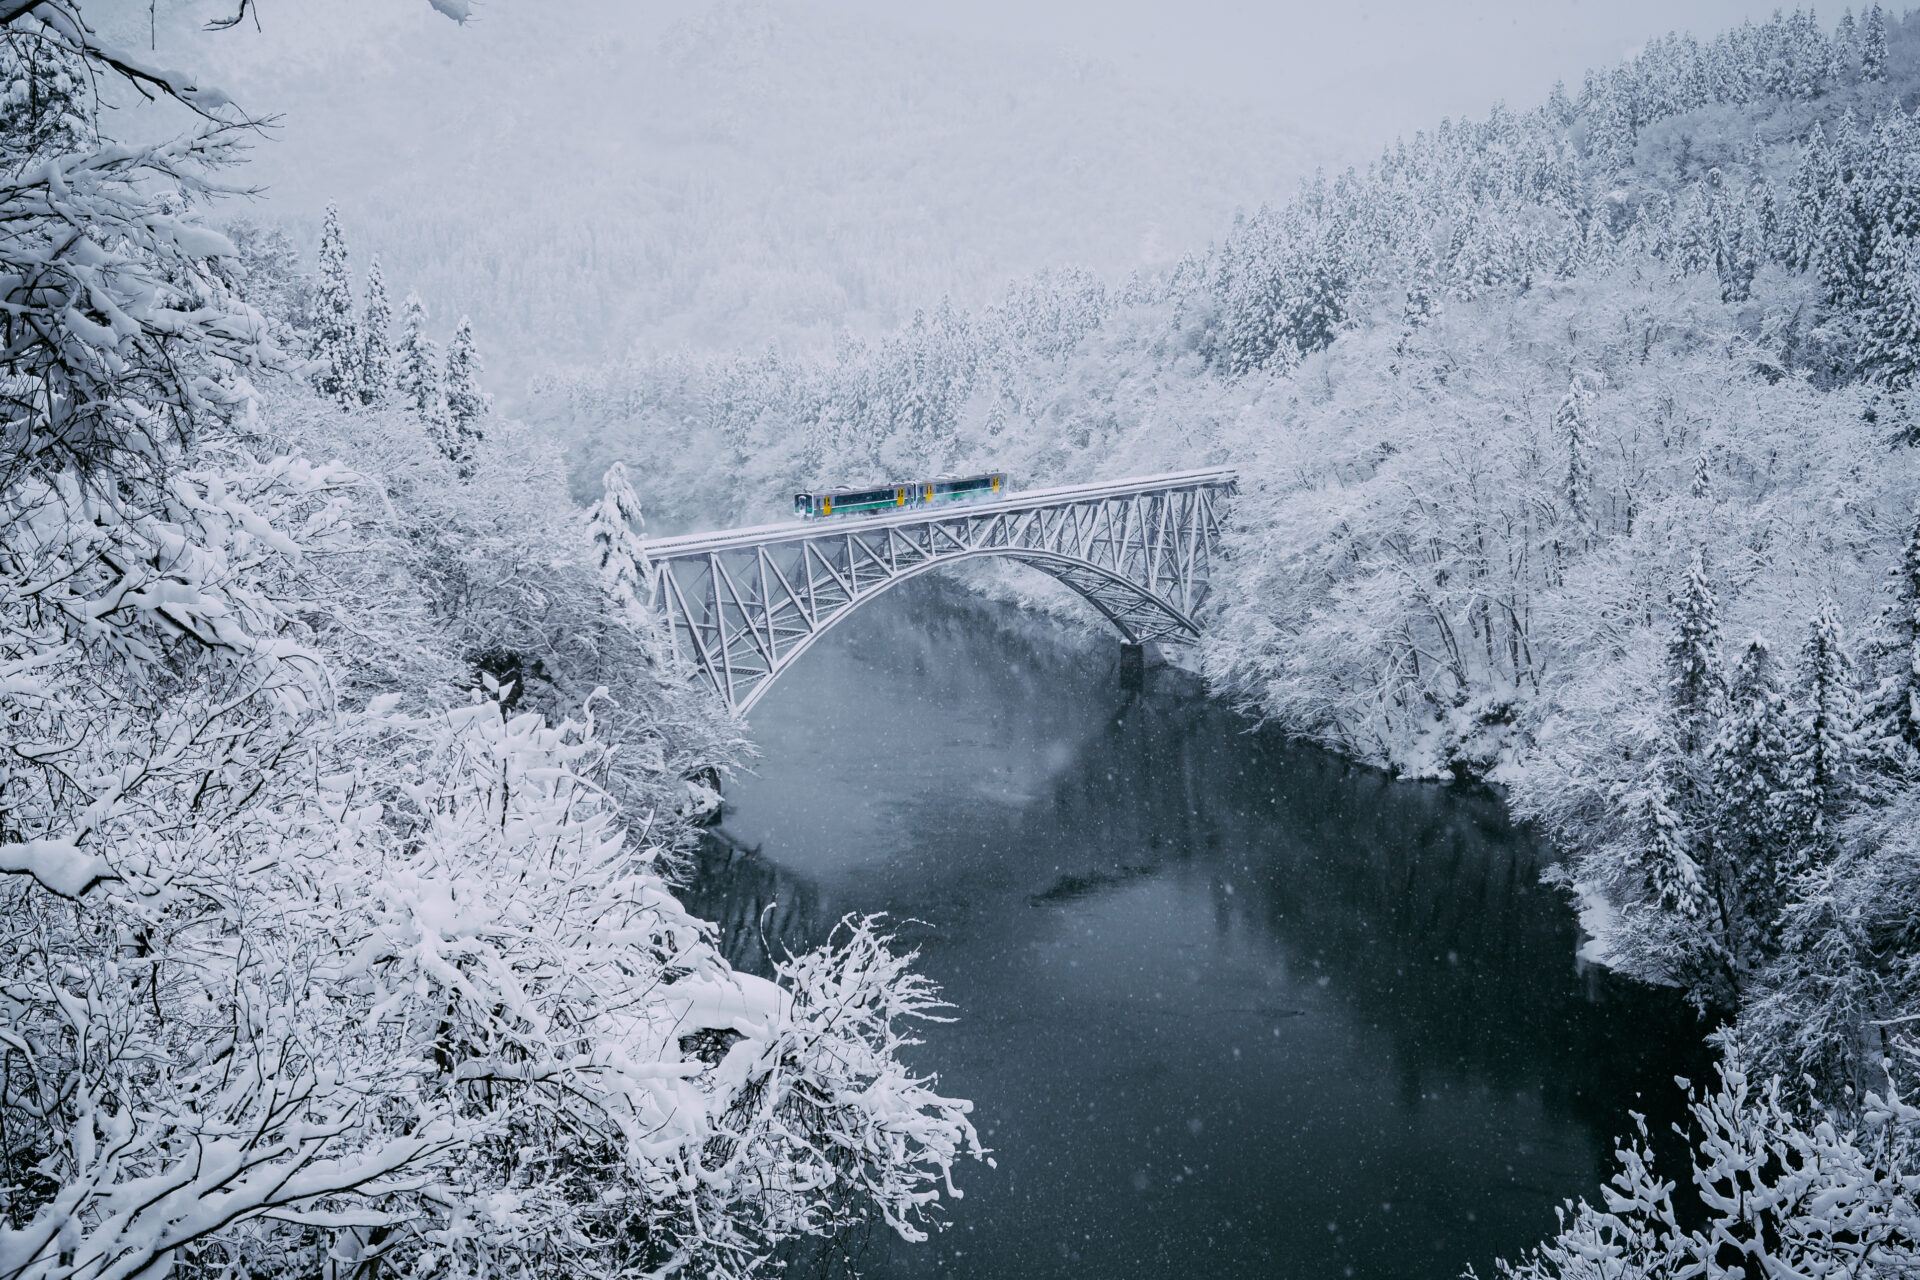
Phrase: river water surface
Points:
(1227, 1005)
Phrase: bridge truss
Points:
(743, 604)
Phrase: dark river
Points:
(1228, 1006)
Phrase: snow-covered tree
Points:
(1890, 337)
(1825, 740)
(1892, 718)
(467, 404)
(417, 380)
(1752, 870)
(1696, 680)
(47, 103)
(1778, 1195)
(612, 526)
(336, 337)
(1610, 138)
(1576, 434)
(1846, 46)
(1873, 46)
(1668, 852)
(376, 352)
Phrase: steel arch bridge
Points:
(742, 605)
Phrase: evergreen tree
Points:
(1774, 244)
(1610, 136)
(1423, 297)
(1696, 685)
(1696, 239)
(1890, 335)
(376, 355)
(1701, 488)
(1873, 46)
(1672, 873)
(1808, 58)
(1559, 109)
(1739, 246)
(1893, 713)
(1751, 872)
(1813, 183)
(1846, 46)
(1824, 742)
(1571, 419)
(612, 527)
(1838, 249)
(335, 341)
(466, 403)
(418, 378)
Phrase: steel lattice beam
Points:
(742, 605)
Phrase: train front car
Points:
(960, 488)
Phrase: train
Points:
(889, 497)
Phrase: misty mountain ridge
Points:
(748, 174)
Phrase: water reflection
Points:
(1229, 1005)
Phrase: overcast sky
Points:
(1350, 73)
(1353, 73)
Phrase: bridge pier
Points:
(1134, 661)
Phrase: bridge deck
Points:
(800, 530)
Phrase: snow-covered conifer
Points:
(1825, 740)
(1610, 138)
(417, 377)
(1813, 183)
(1840, 247)
(336, 341)
(1846, 46)
(1696, 681)
(1571, 418)
(612, 527)
(1892, 716)
(1666, 854)
(1423, 301)
(1739, 246)
(376, 353)
(1890, 338)
(467, 404)
(1696, 237)
(1751, 770)
(1873, 45)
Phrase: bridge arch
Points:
(742, 606)
(1057, 567)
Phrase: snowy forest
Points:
(341, 798)
(347, 784)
